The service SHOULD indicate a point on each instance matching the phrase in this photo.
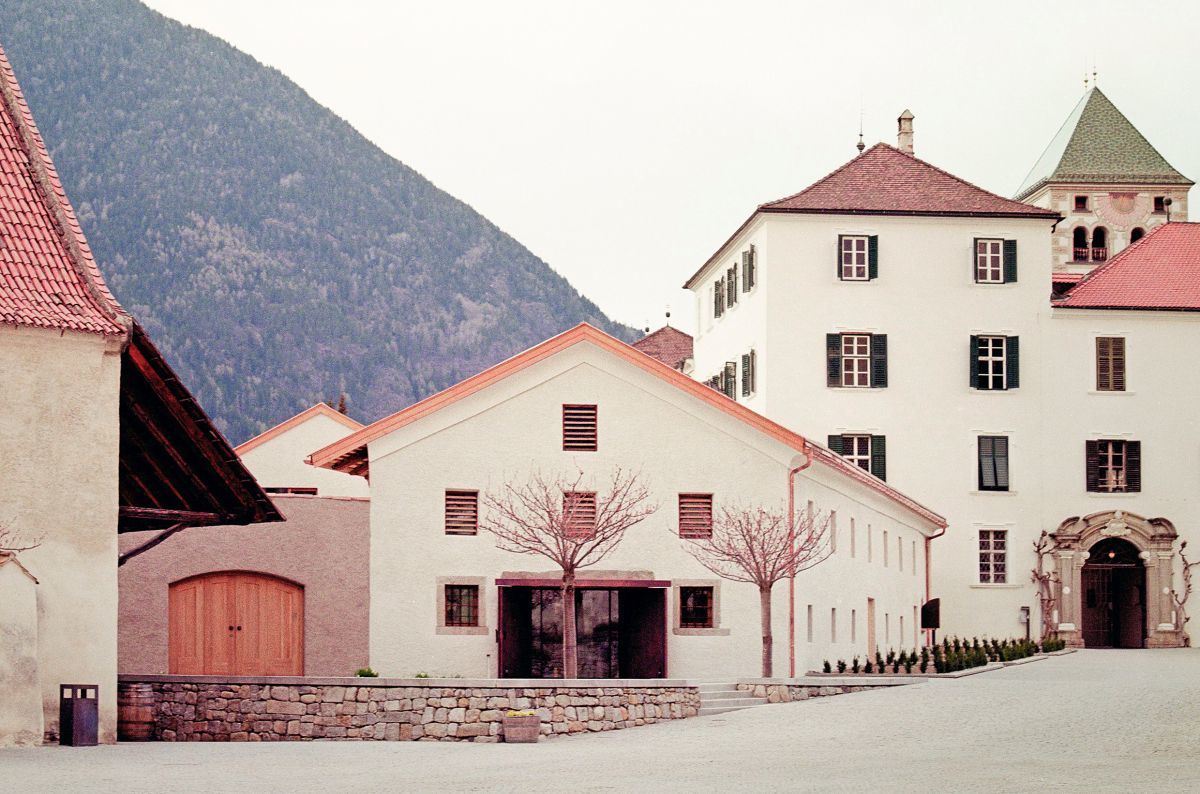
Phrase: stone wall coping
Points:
(833, 680)
(439, 683)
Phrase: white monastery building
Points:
(446, 601)
(906, 316)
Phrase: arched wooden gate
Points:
(236, 623)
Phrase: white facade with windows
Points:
(1010, 415)
(438, 587)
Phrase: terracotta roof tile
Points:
(669, 345)
(48, 277)
(1159, 272)
(885, 181)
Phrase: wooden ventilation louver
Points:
(462, 512)
(579, 428)
(579, 514)
(1110, 363)
(695, 515)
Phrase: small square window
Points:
(695, 607)
(462, 605)
(1081, 203)
(1160, 204)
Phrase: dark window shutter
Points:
(753, 267)
(731, 285)
(745, 374)
(873, 256)
(747, 279)
(718, 298)
(838, 259)
(879, 368)
(753, 372)
(836, 445)
(1012, 362)
(1010, 261)
(879, 456)
(729, 382)
(987, 463)
(1092, 464)
(1103, 363)
(1001, 457)
(1118, 363)
(974, 368)
(833, 359)
(975, 260)
(1133, 466)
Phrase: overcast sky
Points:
(622, 142)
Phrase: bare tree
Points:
(1045, 581)
(761, 547)
(1181, 599)
(573, 527)
(11, 541)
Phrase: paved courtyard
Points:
(1092, 721)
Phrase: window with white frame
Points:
(856, 360)
(1114, 466)
(854, 259)
(993, 556)
(992, 363)
(857, 450)
(989, 261)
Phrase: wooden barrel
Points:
(135, 712)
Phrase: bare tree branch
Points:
(1181, 599)
(1046, 581)
(761, 547)
(12, 542)
(573, 527)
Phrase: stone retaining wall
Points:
(783, 691)
(207, 708)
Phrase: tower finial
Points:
(668, 315)
(860, 145)
(1095, 82)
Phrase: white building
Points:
(276, 457)
(446, 601)
(906, 315)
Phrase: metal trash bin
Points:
(78, 714)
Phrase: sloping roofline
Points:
(350, 454)
(320, 409)
(770, 208)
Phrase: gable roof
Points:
(886, 181)
(669, 345)
(1097, 144)
(350, 454)
(48, 277)
(320, 409)
(1161, 271)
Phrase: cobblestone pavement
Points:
(1093, 721)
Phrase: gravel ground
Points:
(1093, 721)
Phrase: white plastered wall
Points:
(59, 447)
(279, 462)
(679, 445)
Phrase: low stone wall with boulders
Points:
(219, 708)
(790, 690)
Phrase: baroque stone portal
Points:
(1153, 538)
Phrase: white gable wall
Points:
(680, 445)
(279, 462)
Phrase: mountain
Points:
(276, 256)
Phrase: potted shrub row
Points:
(949, 656)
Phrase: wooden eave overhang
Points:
(175, 466)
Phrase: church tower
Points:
(1107, 181)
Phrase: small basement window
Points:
(462, 605)
(696, 607)
(579, 428)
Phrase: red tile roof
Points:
(48, 277)
(885, 181)
(1161, 271)
(669, 345)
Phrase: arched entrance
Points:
(1114, 596)
(1114, 579)
(235, 623)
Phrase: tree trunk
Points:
(570, 644)
(764, 599)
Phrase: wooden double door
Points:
(236, 623)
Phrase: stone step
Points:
(717, 687)
(708, 710)
(731, 703)
(726, 695)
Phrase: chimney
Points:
(904, 138)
